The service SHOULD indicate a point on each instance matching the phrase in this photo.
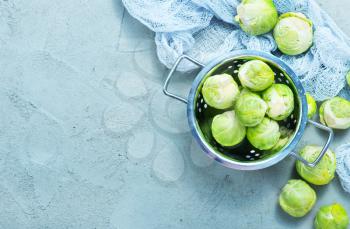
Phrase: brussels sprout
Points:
(335, 113)
(284, 139)
(282, 142)
(293, 33)
(257, 17)
(227, 130)
(220, 91)
(323, 172)
(256, 75)
(332, 216)
(265, 135)
(348, 78)
(285, 132)
(311, 106)
(297, 198)
(250, 108)
(280, 101)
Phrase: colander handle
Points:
(323, 151)
(171, 73)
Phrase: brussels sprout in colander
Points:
(284, 139)
(227, 130)
(220, 91)
(332, 216)
(256, 75)
(323, 172)
(297, 198)
(257, 17)
(265, 135)
(293, 33)
(335, 113)
(250, 108)
(280, 101)
(311, 106)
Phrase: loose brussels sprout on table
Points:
(227, 130)
(293, 33)
(250, 108)
(297, 198)
(323, 172)
(265, 135)
(220, 91)
(332, 216)
(256, 75)
(348, 78)
(311, 106)
(257, 17)
(280, 101)
(335, 113)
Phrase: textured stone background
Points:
(87, 139)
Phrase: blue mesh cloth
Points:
(205, 29)
(343, 165)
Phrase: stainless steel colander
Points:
(245, 156)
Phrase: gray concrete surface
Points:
(87, 139)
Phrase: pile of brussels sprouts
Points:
(250, 110)
(297, 198)
(292, 31)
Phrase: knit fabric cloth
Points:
(205, 29)
(343, 165)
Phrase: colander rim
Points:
(249, 165)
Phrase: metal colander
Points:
(245, 156)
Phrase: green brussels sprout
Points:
(250, 108)
(293, 33)
(227, 130)
(257, 17)
(311, 106)
(282, 142)
(348, 78)
(220, 91)
(332, 216)
(297, 198)
(323, 172)
(280, 101)
(285, 132)
(256, 75)
(265, 135)
(335, 113)
(284, 139)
